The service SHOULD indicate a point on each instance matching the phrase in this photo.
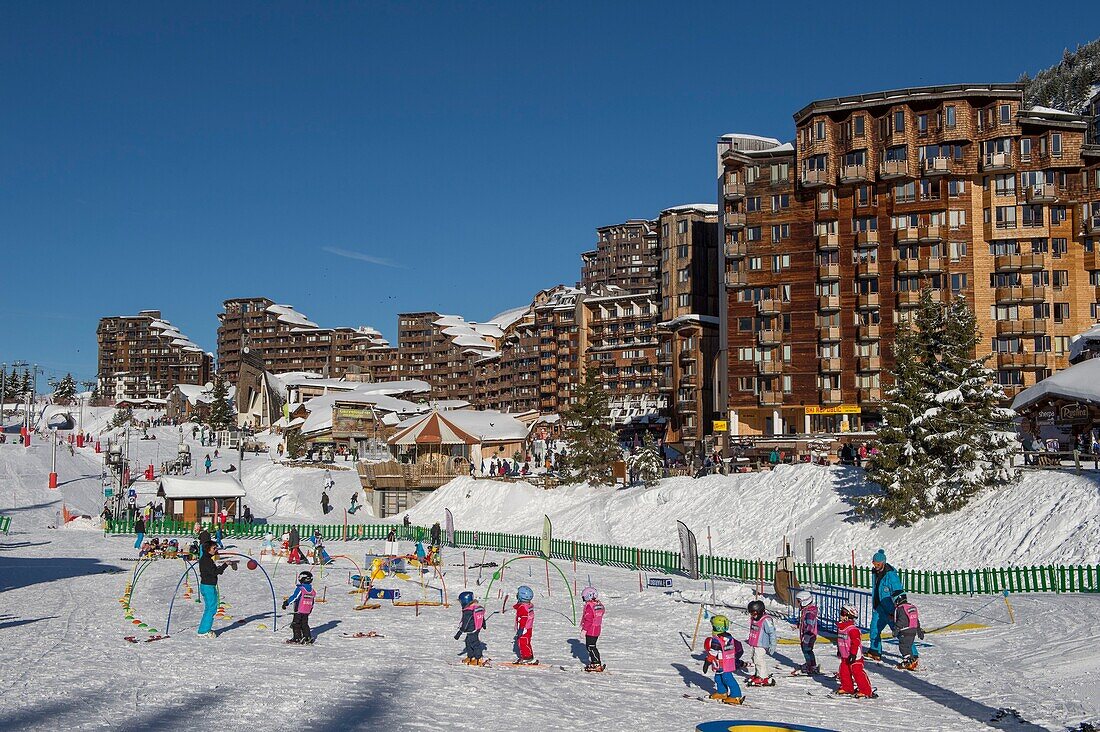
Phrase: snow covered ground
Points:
(65, 664)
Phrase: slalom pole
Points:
(464, 584)
(548, 593)
(1011, 615)
(710, 561)
(698, 620)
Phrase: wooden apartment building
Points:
(144, 356)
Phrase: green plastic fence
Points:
(5, 523)
(987, 580)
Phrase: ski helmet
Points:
(803, 598)
(588, 593)
(305, 578)
(465, 598)
(756, 607)
(901, 599)
(525, 594)
(849, 610)
(720, 623)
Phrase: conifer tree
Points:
(592, 447)
(944, 436)
(221, 413)
(646, 464)
(65, 391)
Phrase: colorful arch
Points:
(565, 581)
(274, 602)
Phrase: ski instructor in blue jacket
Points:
(887, 587)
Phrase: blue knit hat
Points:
(880, 556)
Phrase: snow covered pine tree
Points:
(944, 436)
(591, 447)
(646, 465)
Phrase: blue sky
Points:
(358, 160)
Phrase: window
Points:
(781, 201)
(684, 299)
(1025, 149)
(1058, 247)
(864, 195)
(929, 190)
(899, 121)
(1061, 312)
(683, 251)
(683, 275)
(819, 129)
(752, 173)
(958, 282)
(752, 233)
(865, 223)
(1032, 215)
(780, 172)
(780, 232)
(922, 124)
(897, 153)
(956, 188)
(949, 116)
(1060, 278)
(681, 226)
(858, 124)
(1056, 144)
(1006, 217)
(1005, 114)
(744, 325)
(1004, 185)
(755, 264)
(752, 203)
(1057, 214)
(905, 192)
(1061, 344)
(956, 219)
(780, 262)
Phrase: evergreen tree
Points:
(295, 444)
(26, 385)
(221, 415)
(646, 464)
(593, 448)
(65, 391)
(12, 387)
(944, 436)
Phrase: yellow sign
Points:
(721, 425)
(841, 409)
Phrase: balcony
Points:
(931, 232)
(832, 396)
(855, 174)
(868, 268)
(932, 265)
(908, 299)
(1008, 295)
(870, 332)
(908, 235)
(1026, 327)
(937, 166)
(769, 337)
(868, 301)
(687, 356)
(831, 365)
(737, 279)
(1024, 361)
(866, 238)
(888, 169)
(1091, 226)
(1033, 293)
(870, 394)
(907, 266)
(829, 333)
(828, 302)
(996, 162)
(1041, 193)
(735, 220)
(771, 398)
(1007, 262)
(768, 306)
(1092, 259)
(733, 191)
(736, 249)
(827, 209)
(828, 242)
(769, 367)
(1032, 262)
(870, 363)
(828, 272)
(816, 178)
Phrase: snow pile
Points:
(1047, 517)
(277, 491)
(83, 523)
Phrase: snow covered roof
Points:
(1050, 111)
(196, 395)
(484, 425)
(690, 318)
(218, 487)
(290, 316)
(319, 418)
(468, 335)
(508, 317)
(705, 207)
(170, 332)
(1081, 342)
(1080, 381)
(754, 138)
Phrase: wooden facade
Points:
(143, 356)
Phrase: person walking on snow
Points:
(525, 625)
(849, 648)
(591, 624)
(907, 627)
(208, 462)
(139, 529)
(208, 587)
(473, 620)
(887, 587)
(435, 534)
(807, 633)
(723, 654)
(354, 502)
(324, 502)
(294, 551)
(303, 598)
(762, 640)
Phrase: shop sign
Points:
(839, 409)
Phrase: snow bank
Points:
(278, 491)
(1050, 516)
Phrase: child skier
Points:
(303, 599)
(907, 622)
(525, 625)
(591, 624)
(723, 655)
(807, 633)
(849, 647)
(473, 620)
(762, 639)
